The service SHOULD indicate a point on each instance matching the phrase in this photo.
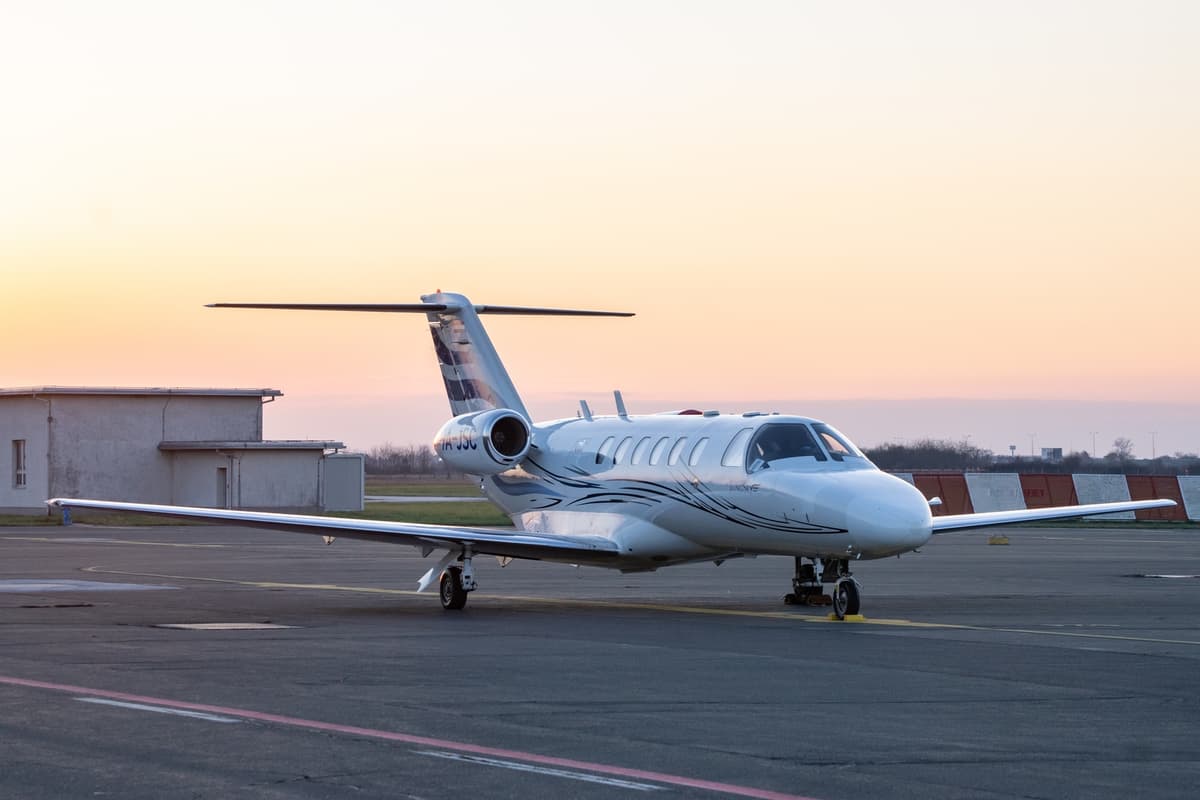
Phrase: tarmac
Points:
(1054, 667)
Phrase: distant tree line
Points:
(410, 459)
(940, 454)
(930, 454)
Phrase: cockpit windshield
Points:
(836, 443)
(782, 440)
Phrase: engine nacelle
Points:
(484, 442)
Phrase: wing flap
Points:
(483, 541)
(988, 519)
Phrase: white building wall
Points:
(998, 491)
(24, 418)
(1103, 489)
(196, 478)
(107, 446)
(208, 418)
(279, 479)
(343, 482)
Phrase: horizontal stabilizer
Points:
(425, 308)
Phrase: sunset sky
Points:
(830, 208)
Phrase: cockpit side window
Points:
(787, 440)
(839, 446)
(735, 453)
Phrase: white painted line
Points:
(557, 773)
(223, 626)
(157, 709)
(45, 585)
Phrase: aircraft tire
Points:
(845, 598)
(450, 587)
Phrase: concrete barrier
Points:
(1103, 489)
(1189, 487)
(995, 491)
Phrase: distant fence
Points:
(970, 492)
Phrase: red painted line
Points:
(408, 738)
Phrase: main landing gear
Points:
(456, 581)
(809, 590)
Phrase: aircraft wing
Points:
(987, 519)
(483, 541)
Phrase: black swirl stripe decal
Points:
(698, 496)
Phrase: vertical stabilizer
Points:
(475, 378)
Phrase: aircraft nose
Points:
(887, 515)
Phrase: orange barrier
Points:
(1156, 487)
(1048, 491)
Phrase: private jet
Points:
(636, 492)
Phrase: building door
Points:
(222, 487)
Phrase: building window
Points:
(18, 462)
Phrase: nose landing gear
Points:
(809, 590)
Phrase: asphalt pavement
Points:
(1064, 665)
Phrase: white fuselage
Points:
(669, 488)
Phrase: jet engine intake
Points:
(484, 442)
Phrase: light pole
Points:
(1093, 442)
(1153, 442)
(1032, 436)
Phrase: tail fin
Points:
(475, 378)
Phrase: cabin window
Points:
(18, 463)
(605, 449)
(622, 450)
(735, 454)
(697, 451)
(677, 451)
(640, 451)
(660, 447)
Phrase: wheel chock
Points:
(997, 538)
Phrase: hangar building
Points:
(198, 447)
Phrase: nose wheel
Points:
(845, 598)
(812, 575)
